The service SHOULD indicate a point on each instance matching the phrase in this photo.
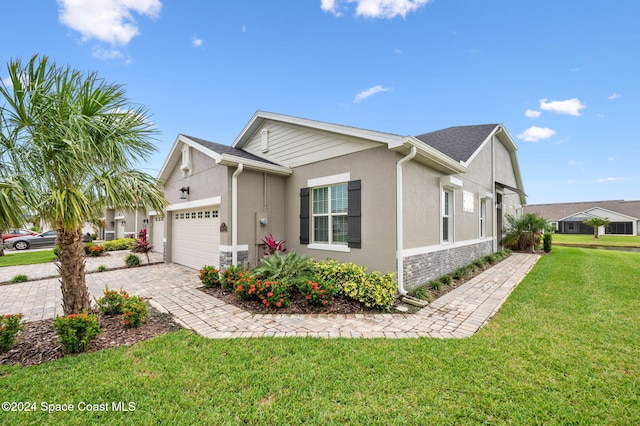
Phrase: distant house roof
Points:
(459, 142)
(229, 150)
(558, 211)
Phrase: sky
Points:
(563, 77)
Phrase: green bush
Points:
(101, 268)
(56, 250)
(20, 278)
(111, 302)
(134, 311)
(290, 268)
(446, 279)
(546, 242)
(492, 259)
(340, 274)
(435, 284)
(318, 292)
(209, 276)
(132, 261)
(273, 293)
(244, 285)
(420, 293)
(76, 331)
(229, 276)
(119, 244)
(10, 325)
(459, 273)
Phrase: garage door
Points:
(157, 233)
(196, 237)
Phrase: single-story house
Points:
(419, 206)
(567, 218)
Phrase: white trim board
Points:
(213, 201)
(440, 247)
(243, 247)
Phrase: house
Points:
(120, 223)
(624, 216)
(429, 203)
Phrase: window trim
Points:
(450, 216)
(329, 215)
(483, 217)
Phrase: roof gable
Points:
(460, 142)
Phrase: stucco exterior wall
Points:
(376, 170)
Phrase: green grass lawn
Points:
(27, 258)
(562, 350)
(603, 240)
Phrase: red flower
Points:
(278, 304)
(269, 294)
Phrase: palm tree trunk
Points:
(75, 294)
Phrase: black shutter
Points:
(304, 215)
(354, 238)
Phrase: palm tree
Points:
(73, 142)
(524, 233)
(596, 223)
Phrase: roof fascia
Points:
(232, 160)
(612, 212)
(432, 155)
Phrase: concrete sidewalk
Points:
(174, 289)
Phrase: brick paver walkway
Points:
(174, 289)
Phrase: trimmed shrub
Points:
(132, 261)
(318, 292)
(244, 286)
(340, 274)
(76, 331)
(10, 325)
(273, 293)
(209, 276)
(20, 278)
(112, 301)
(546, 242)
(119, 244)
(230, 275)
(134, 311)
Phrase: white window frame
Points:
(330, 243)
(483, 217)
(450, 215)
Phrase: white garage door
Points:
(157, 233)
(196, 237)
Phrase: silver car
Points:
(46, 239)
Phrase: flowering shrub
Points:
(244, 286)
(209, 276)
(318, 292)
(111, 301)
(134, 311)
(273, 293)
(76, 331)
(230, 275)
(95, 250)
(10, 325)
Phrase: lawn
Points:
(27, 258)
(562, 350)
(603, 240)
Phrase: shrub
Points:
(480, 264)
(273, 293)
(134, 311)
(546, 242)
(94, 236)
(244, 286)
(101, 268)
(142, 244)
(230, 275)
(340, 274)
(209, 276)
(76, 331)
(119, 244)
(492, 259)
(20, 278)
(291, 268)
(273, 246)
(378, 291)
(435, 284)
(56, 250)
(318, 292)
(95, 250)
(10, 325)
(446, 279)
(87, 246)
(112, 301)
(132, 261)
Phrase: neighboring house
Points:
(429, 203)
(123, 223)
(567, 218)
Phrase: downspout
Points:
(400, 221)
(234, 214)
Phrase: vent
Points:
(265, 140)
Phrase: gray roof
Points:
(229, 150)
(458, 142)
(558, 211)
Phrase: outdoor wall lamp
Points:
(184, 192)
(123, 223)
(145, 221)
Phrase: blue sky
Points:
(562, 76)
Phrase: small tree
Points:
(595, 223)
(523, 234)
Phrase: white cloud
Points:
(569, 106)
(532, 113)
(615, 96)
(611, 159)
(197, 42)
(106, 54)
(7, 82)
(369, 92)
(109, 21)
(534, 134)
(611, 179)
(375, 8)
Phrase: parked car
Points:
(10, 233)
(46, 239)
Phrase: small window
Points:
(207, 214)
(181, 215)
(199, 215)
(177, 216)
(483, 218)
(447, 216)
(214, 213)
(193, 215)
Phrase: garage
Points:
(196, 237)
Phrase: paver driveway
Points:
(174, 288)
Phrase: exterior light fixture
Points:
(184, 192)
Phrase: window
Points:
(483, 218)
(329, 209)
(447, 216)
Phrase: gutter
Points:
(400, 221)
(234, 214)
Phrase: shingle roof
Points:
(229, 150)
(458, 142)
(558, 211)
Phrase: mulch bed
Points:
(38, 342)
